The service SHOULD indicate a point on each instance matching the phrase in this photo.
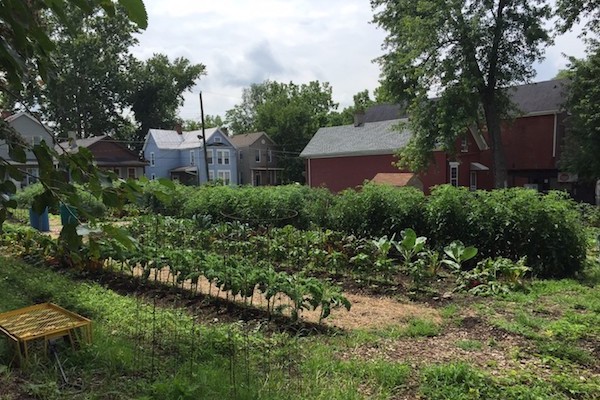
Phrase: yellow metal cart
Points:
(45, 321)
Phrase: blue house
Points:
(179, 155)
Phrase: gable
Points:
(109, 150)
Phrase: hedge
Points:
(510, 223)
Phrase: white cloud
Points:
(243, 42)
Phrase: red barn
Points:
(346, 156)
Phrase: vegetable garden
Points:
(245, 250)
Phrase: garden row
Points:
(510, 223)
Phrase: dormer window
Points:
(464, 145)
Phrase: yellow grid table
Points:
(43, 321)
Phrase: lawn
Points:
(541, 343)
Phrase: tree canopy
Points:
(289, 113)
(582, 142)
(157, 91)
(467, 53)
(25, 41)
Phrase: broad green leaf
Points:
(136, 10)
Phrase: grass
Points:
(553, 319)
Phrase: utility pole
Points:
(203, 140)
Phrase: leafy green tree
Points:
(571, 12)
(157, 92)
(88, 90)
(362, 101)
(24, 42)
(289, 113)
(210, 121)
(582, 142)
(468, 52)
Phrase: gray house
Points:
(257, 164)
(179, 155)
(34, 133)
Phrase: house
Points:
(33, 132)
(178, 155)
(257, 164)
(109, 154)
(346, 156)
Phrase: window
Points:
(153, 176)
(117, 171)
(31, 177)
(241, 155)
(152, 159)
(223, 157)
(224, 176)
(464, 145)
(269, 156)
(131, 173)
(192, 158)
(454, 173)
(35, 140)
(211, 175)
(257, 156)
(257, 180)
(218, 139)
(473, 182)
(209, 156)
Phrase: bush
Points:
(90, 204)
(377, 210)
(511, 223)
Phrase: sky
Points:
(243, 42)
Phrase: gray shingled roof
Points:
(540, 96)
(172, 140)
(382, 137)
(547, 96)
(247, 139)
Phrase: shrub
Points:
(377, 210)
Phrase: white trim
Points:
(221, 173)
(211, 159)
(211, 175)
(473, 180)
(453, 166)
(222, 156)
(257, 152)
(383, 152)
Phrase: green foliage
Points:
(582, 143)
(289, 113)
(492, 277)
(377, 210)
(158, 86)
(470, 52)
(511, 223)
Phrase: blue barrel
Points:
(41, 221)
(68, 215)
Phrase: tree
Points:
(157, 92)
(88, 90)
(210, 121)
(362, 101)
(582, 141)
(571, 11)
(469, 52)
(289, 113)
(25, 41)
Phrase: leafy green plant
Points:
(493, 276)
(456, 254)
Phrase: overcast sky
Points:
(243, 42)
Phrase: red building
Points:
(346, 156)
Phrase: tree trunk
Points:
(494, 129)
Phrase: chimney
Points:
(359, 118)
(72, 139)
(178, 128)
(225, 130)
